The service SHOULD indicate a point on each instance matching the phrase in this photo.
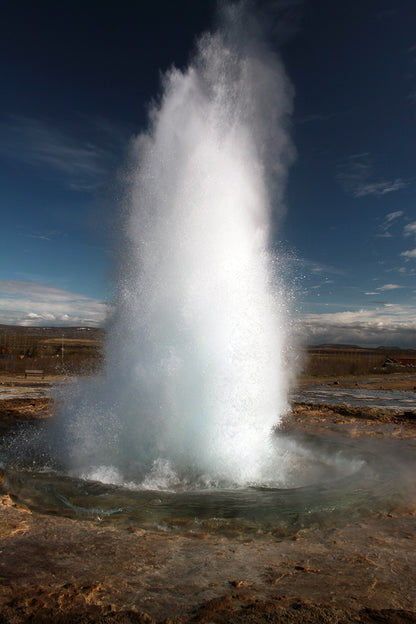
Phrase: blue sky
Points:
(77, 81)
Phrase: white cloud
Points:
(410, 253)
(393, 325)
(32, 303)
(410, 229)
(389, 287)
(393, 215)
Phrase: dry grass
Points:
(70, 342)
(333, 362)
(71, 364)
(41, 348)
(56, 351)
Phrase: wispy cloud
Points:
(46, 237)
(316, 268)
(390, 218)
(356, 176)
(324, 283)
(31, 303)
(81, 164)
(379, 188)
(389, 287)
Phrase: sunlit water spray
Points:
(196, 373)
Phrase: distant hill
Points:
(332, 345)
(348, 347)
(396, 349)
(98, 334)
(90, 333)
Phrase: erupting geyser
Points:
(197, 376)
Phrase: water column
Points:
(196, 356)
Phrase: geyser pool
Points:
(334, 479)
(197, 372)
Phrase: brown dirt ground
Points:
(55, 569)
(394, 381)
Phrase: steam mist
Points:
(196, 376)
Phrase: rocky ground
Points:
(54, 569)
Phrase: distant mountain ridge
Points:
(338, 346)
(98, 333)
